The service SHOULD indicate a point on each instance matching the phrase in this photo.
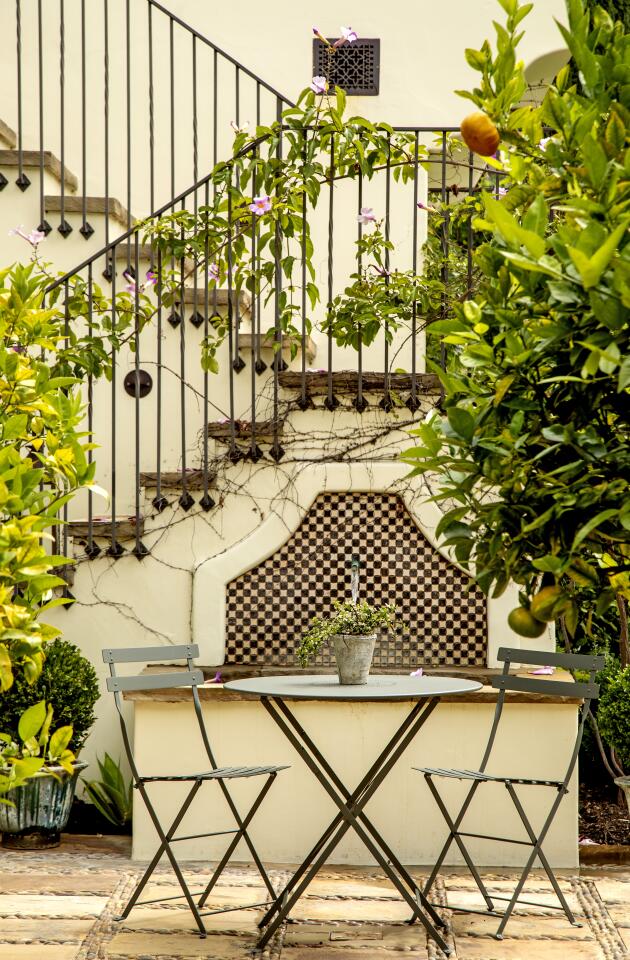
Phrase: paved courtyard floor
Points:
(61, 906)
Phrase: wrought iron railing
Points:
(185, 421)
(132, 99)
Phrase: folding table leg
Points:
(351, 820)
(338, 820)
(358, 801)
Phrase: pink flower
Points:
(34, 237)
(260, 205)
(542, 671)
(319, 85)
(151, 279)
(417, 673)
(542, 144)
(217, 677)
(348, 35)
(213, 271)
(366, 216)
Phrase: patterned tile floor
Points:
(60, 906)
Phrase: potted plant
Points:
(38, 775)
(353, 630)
(44, 726)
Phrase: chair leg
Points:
(242, 833)
(537, 852)
(252, 849)
(165, 847)
(454, 835)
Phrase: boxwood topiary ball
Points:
(68, 681)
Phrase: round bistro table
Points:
(424, 693)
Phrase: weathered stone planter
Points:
(624, 783)
(41, 811)
(354, 657)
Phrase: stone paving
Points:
(61, 906)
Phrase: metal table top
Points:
(327, 687)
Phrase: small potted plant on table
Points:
(352, 628)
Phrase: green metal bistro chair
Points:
(504, 682)
(193, 678)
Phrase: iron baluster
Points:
(360, 402)
(330, 401)
(22, 181)
(64, 227)
(386, 402)
(159, 501)
(234, 452)
(444, 270)
(206, 502)
(303, 401)
(115, 549)
(44, 226)
(111, 266)
(412, 402)
(276, 450)
(151, 113)
(185, 500)
(85, 229)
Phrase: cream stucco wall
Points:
(170, 597)
(351, 736)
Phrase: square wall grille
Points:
(355, 67)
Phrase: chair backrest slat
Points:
(163, 654)
(549, 688)
(570, 661)
(156, 681)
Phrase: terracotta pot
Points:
(41, 811)
(354, 657)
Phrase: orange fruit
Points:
(523, 622)
(544, 602)
(480, 134)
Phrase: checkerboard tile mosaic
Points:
(270, 606)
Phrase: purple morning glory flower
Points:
(348, 34)
(319, 85)
(151, 279)
(319, 36)
(366, 216)
(213, 271)
(426, 206)
(260, 205)
(217, 677)
(417, 673)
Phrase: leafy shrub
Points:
(613, 715)
(68, 681)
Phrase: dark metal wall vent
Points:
(355, 67)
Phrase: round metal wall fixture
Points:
(138, 383)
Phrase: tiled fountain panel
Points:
(270, 606)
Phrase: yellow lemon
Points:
(480, 134)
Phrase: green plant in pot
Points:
(44, 725)
(352, 629)
(38, 774)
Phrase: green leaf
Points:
(591, 525)
(461, 421)
(59, 741)
(510, 229)
(592, 268)
(31, 721)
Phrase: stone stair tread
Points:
(125, 528)
(8, 135)
(172, 479)
(195, 295)
(53, 204)
(220, 429)
(33, 158)
(347, 381)
(266, 341)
